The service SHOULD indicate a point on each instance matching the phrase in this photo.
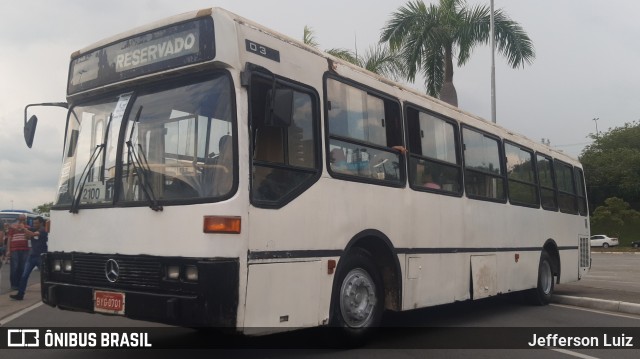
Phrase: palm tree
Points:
(309, 38)
(428, 37)
(378, 59)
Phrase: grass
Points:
(616, 249)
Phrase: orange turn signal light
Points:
(221, 224)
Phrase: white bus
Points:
(218, 173)
(10, 216)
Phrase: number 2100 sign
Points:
(93, 192)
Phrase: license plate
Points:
(108, 302)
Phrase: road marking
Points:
(574, 354)
(18, 314)
(596, 311)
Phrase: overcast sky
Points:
(586, 67)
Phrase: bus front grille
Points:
(132, 271)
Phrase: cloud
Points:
(584, 67)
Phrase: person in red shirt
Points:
(3, 244)
(18, 249)
(38, 246)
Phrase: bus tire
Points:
(357, 298)
(541, 295)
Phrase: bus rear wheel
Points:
(541, 295)
(358, 296)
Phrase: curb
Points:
(600, 304)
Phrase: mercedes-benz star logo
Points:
(112, 270)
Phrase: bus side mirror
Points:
(279, 108)
(30, 130)
(30, 126)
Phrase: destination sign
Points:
(156, 51)
(170, 47)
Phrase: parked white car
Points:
(600, 240)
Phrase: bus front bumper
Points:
(213, 302)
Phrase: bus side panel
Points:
(525, 231)
(276, 303)
(433, 279)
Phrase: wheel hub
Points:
(546, 277)
(357, 298)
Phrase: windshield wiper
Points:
(75, 205)
(142, 171)
(83, 178)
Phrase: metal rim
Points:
(358, 298)
(546, 278)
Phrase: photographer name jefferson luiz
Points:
(608, 341)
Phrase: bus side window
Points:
(567, 197)
(365, 127)
(546, 178)
(284, 155)
(522, 182)
(582, 196)
(484, 173)
(269, 144)
(434, 163)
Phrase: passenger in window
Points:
(339, 161)
(223, 179)
(403, 150)
(429, 181)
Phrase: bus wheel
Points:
(357, 297)
(541, 295)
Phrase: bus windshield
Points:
(176, 143)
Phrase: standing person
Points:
(18, 249)
(39, 241)
(3, 245)
(5, 240)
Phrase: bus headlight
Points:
(57, 265)
(173, 272)
(67, 265)
(191, 273)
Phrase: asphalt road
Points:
(412, 334)
(613, 276)
(5, 283)
(415, 334)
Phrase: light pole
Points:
(493, 66)
(596, 121)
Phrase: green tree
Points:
(44, 209)
(381, 60)
(612, 217)
(378, 59)
(429, 37)
(309, 37)
(612, 165)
